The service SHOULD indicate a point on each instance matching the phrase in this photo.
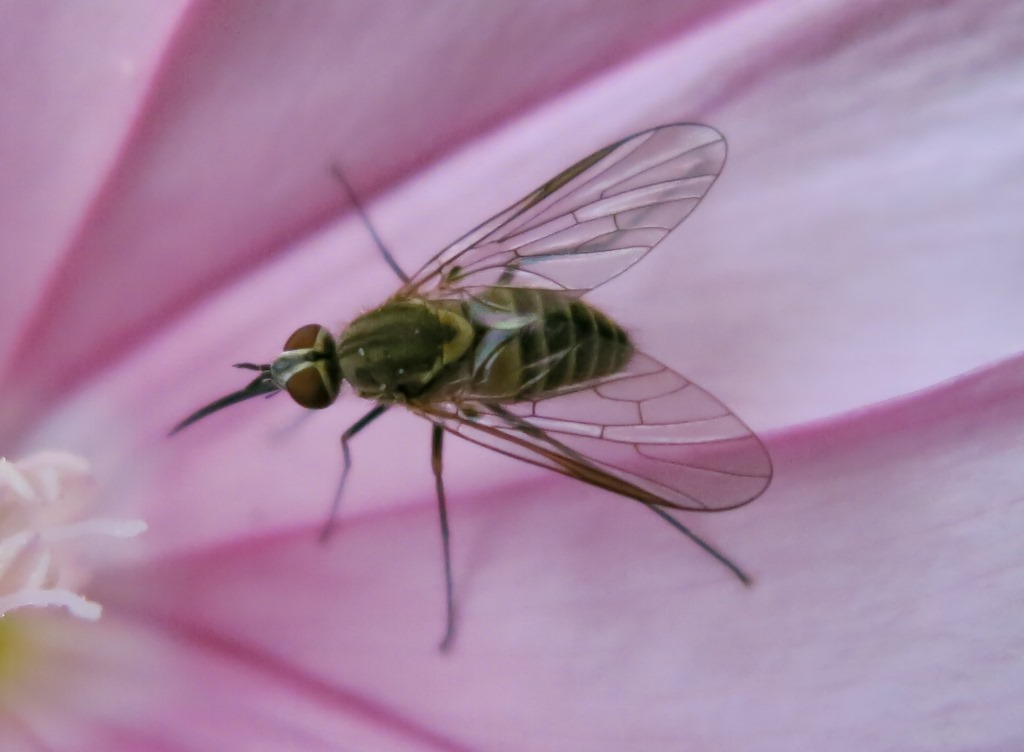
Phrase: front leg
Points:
(346, 456)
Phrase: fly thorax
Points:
(394, 352)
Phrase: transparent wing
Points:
(646, 432)
(589, 223)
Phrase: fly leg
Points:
(714, 552)
(336, 169)
(532, 431)
(436, 446)
(352, 430)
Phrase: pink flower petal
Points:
(224, 123)
(73, 76)
(886, 557)
(809, 283)
(862, 245)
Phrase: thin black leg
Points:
(518, 423)
(718, 555)
(336, 169)
(352, 430)
(449, 590)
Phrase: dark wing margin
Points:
(646, 432)
(589, 223)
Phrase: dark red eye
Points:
(313, 384)
(306, 337)
(308, 388)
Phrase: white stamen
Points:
(76, 604)
(12, 479)
(43, 536)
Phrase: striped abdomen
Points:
(530, 343)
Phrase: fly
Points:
(492, 341)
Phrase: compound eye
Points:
(308, 388)
(315, 383)
(307, 337)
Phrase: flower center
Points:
(15, 650)
(45, 537)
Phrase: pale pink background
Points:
(168, 210)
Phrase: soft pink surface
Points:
(886, 609)
(862, 244)
(194, 141)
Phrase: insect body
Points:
(491, 340)
(507, 345)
